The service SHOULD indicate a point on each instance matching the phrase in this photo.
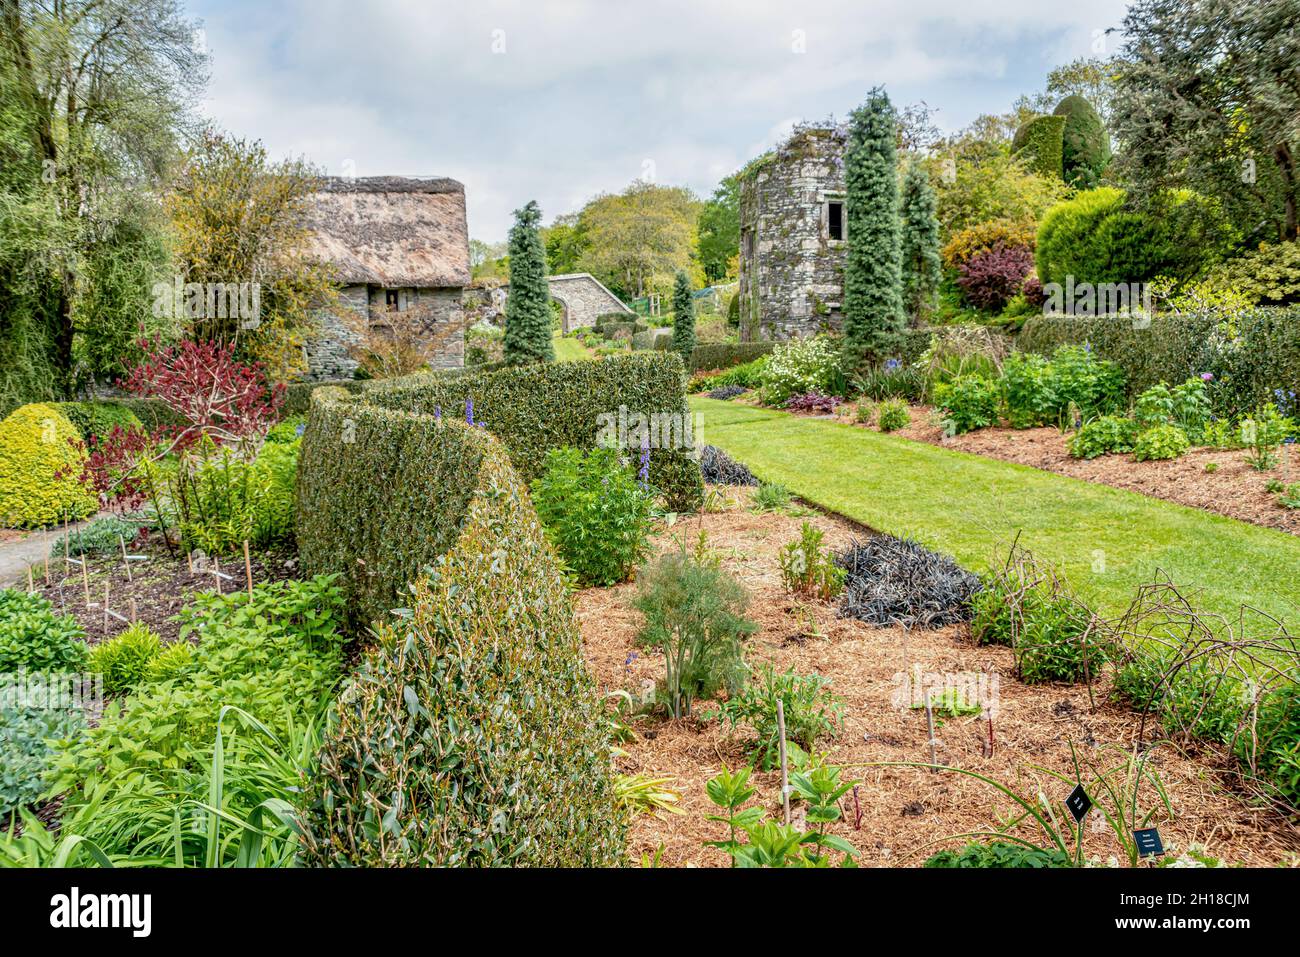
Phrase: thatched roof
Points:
(393, 232)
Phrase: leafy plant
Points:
(1160, 442)
(798, 367)
(808, 568)
(171, 663)
(1290, 496)
(647, 793)
(810, 710)
(124, 659)
(103, 536)
(1186, 406)
(595, 512)
(991, 278)
(893, 415)
(967, 403)
(31, 718)
(1262, 433)
(1027, 393)
(771, 497)
(694, 615)
(32, 637)
(1107, 434)
(812, 402)
(999, 854)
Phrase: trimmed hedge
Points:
(652, 339)
(1264, 354)
(533, 409)
(1041, 142)
(471, 734)
(1085, 151)
(40, 469)
(297, 395)
(724, 355)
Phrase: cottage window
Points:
(390, 300)
(835, 220)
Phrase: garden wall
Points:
(1250, 355)
(470, 733)
(535, 408)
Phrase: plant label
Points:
(1148, 842)
(1078, 802)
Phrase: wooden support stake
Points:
(248, 570)
(31, 585)
(106, 608)
(929, 724)
(189, 560)
(125, 561)
(216, 568)
(785, 771)
(131, 605)
(67, 554)
(85, 579)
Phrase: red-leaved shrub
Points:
(990, 279)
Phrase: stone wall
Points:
(585, 299)
(791, 271)
(329, 353)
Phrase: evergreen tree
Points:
(873, 308)
(528, 307)
(920, 243)
(683, 317)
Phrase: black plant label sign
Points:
(1148, 842)
(1078, 802)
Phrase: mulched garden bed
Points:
(160, 585)
(895, 814)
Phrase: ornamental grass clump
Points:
(894, 581)
(718, 468)
(124, 659)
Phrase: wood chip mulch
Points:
(895, 814)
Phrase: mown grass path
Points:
(1107, 541)
(570, 350)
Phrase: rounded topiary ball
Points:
(40, 469)
(1085, 144)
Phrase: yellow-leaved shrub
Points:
(40, 469)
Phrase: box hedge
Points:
(535, 408)
(724, 355)
(471, 732)
(1250, 354)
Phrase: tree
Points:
(919, 243)
(1206, 100)
(639, 239)
(528, 307)
(719, 230)
(565, 241)
(683, 316)
(873, 311)
(97, 90)
(241, 229)
(1089, 77)
(980, 181)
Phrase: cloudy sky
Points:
(558, 100)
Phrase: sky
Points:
(560, 100)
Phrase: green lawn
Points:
(569, 350)
(1107, 541)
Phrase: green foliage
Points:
(694, 615)
(919, 243)
(719, 230)
(683, 316)
(538, 408)
(103, 536)
(1262, 433)
(1095, 237)
(1160, 442)
(225, 500)
(1104, 435)
(808, 568)
(991, 185)
(811, 712)
(31, 718)
(1186, 406)
(1290, 496)
(724, 355)
(999, 854)
(965, 244)
(771, 497)
(873, 306)
(595, 513)
(32, 637)
(800, 366)
(471, 733)
(1039, 142)
(288, 430)
(40, 469)
(528, 310)
(893, 415)
(1081, 379)
(172, 662)
(93, 419)
(1277, 733)
(1027, 393)
(1054, 643)
(1085, 146)
(967, 403)
(124, 659)
(1249, 354)
(1267, 275)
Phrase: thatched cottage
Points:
(400, 249)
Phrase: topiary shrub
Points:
(40, 469)
(1040, 142)
(471, 734)
(537, 408)
(98, 418)
(1085, 144)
